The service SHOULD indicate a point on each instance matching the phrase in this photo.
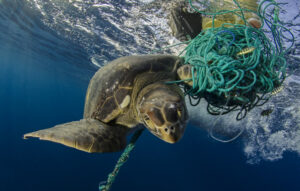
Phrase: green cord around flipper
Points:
(122, 160)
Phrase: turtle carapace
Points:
(122, 94)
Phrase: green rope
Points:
(236, 61)
(123, 158)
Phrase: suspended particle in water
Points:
(266, 112)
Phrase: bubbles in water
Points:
(109, 29)
(98, 60)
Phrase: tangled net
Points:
(236, 66)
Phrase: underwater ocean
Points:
(49, 50)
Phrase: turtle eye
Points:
(147, 121)
(146, 118)
(155, 115)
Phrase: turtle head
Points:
(163, 111)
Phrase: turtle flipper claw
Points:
(88, 135)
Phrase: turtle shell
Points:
(110, 89)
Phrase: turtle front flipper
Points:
(88, 135)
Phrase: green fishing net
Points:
(236, 66)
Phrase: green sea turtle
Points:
(122, 94)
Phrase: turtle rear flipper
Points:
(88, 135)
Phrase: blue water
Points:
(43, 79)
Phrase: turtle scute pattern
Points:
(110, 90)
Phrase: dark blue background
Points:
(40, 89)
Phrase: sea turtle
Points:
(122, 94)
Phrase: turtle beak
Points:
(173, 133)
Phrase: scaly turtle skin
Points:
(124, 93)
